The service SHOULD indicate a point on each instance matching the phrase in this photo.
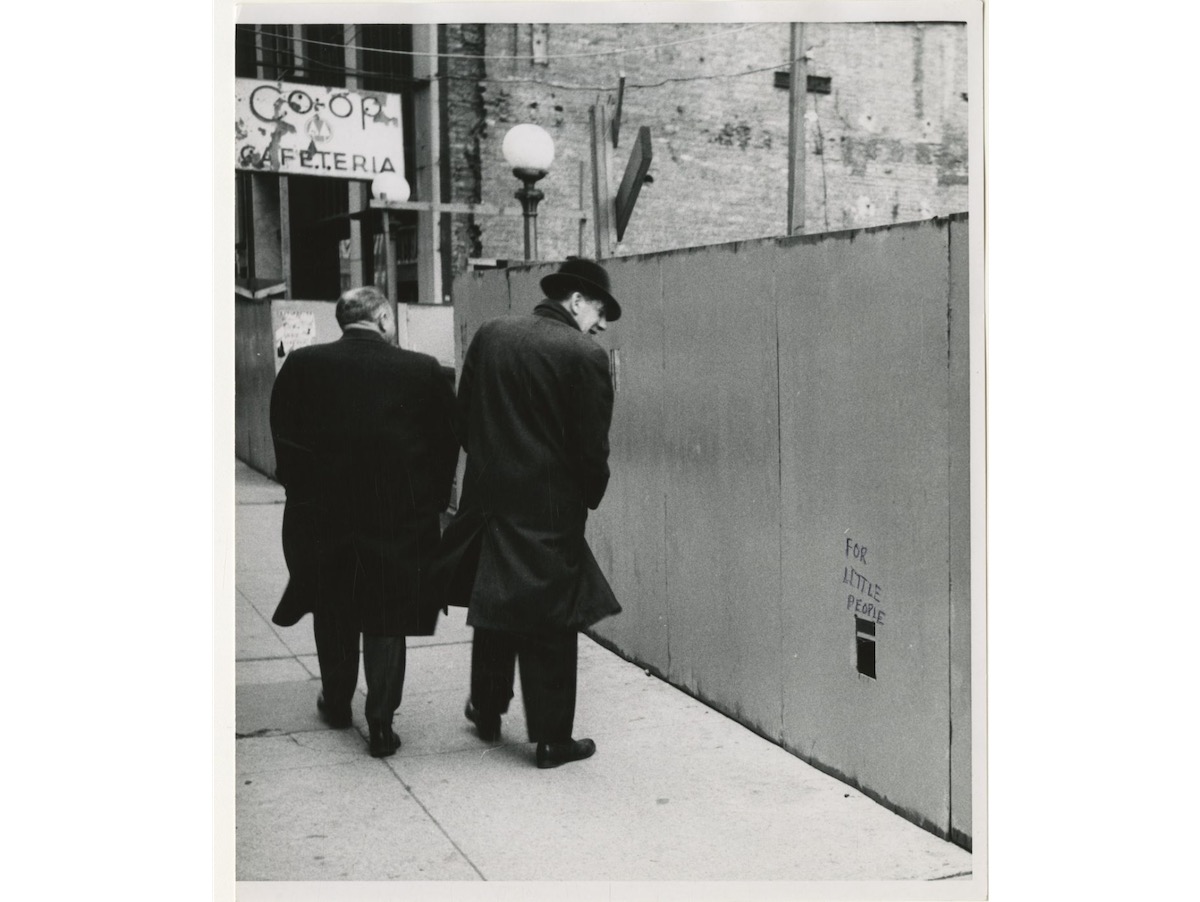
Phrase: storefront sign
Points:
(314, 130)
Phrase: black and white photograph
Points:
(600, 451)
(608, 414)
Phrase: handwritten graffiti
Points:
(866, 596)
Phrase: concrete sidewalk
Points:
(675, 792)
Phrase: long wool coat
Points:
(365, 446)
(533, 412)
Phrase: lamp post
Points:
(390, 187)
(529, 150)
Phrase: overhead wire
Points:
(317, 66)
(629, 85)
(549, 56)
(310, 64)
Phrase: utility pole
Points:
(797, 96)
(359, 193)
(271, 232)
(602, 201)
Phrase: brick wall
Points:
(463, 118)
(887, 144)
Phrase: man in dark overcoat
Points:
(365, 446)
(534, 406)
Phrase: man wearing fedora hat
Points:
(533, 411)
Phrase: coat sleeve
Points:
(443, 435)
(292, 455)
(462, 412)
(592, 417)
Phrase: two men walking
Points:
(533, 412)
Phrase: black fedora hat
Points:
(587, 277)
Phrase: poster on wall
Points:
(296, 329)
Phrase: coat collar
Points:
(551, 310)
(362, 334)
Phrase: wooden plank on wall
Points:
(797, 102)
(959, 322)
(602, 204)
(631, 184)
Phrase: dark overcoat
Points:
(365, 446)
(533, 412)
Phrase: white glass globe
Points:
(528, 146)
(390, 187)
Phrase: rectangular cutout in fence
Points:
(864, 640)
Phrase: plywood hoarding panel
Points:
(864, 420)
(722, 466)
(628, 532)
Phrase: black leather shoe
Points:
(552, 754)
(488, 728)
(383, 741)
(338, 718)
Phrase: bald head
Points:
(366, 308)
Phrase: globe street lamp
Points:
(390, 187)
(529, 150)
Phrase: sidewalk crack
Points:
(436, 823)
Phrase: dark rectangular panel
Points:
(866, 656)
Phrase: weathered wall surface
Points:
(864, 419)
(430, 330)
(254, 374)
(887, 143)
(789, 455)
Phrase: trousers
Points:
(383, 657)
(548, 664)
